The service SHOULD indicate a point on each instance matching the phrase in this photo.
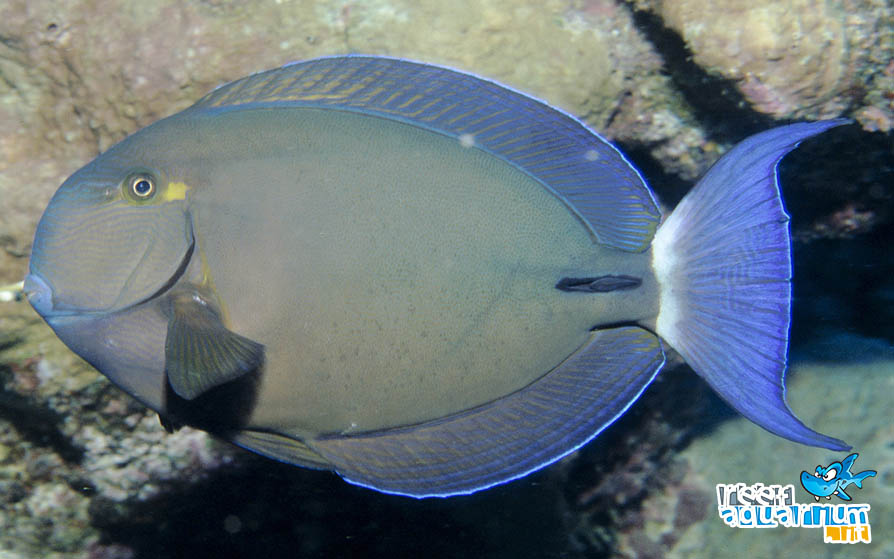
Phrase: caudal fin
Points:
(723, 262)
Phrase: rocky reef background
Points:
(86, 472)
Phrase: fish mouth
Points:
(39, 293)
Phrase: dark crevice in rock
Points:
(37, 424)
(668, 186)
(837, 185)
(844, 300)
(715, 101)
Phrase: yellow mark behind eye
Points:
(175, 191)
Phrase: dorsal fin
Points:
(563, 154)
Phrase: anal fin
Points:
(510, 437)
(279, 447)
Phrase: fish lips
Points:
(39, 294)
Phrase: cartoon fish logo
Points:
(833, 479)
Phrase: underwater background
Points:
(85, 471)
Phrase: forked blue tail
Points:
(723, 261)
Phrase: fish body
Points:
(420, 279)
(834, 479)
(370, 307)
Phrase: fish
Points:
(420, 279)
(834, 479)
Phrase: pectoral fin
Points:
(201, 353)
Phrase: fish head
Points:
(113, 239)
(823, 482)
(112, 236)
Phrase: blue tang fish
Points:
(420, 279)
(834, 479)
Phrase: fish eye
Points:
(819, 471)
(141, 186)
(830, 475)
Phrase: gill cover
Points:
(111, 237)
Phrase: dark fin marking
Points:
(577, 164)
(200, 353)
(723, 263)
(279, 447)
(510, 437)
(602, 284)
(220, 410)
(169, 425)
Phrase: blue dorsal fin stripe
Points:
(578, 165)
